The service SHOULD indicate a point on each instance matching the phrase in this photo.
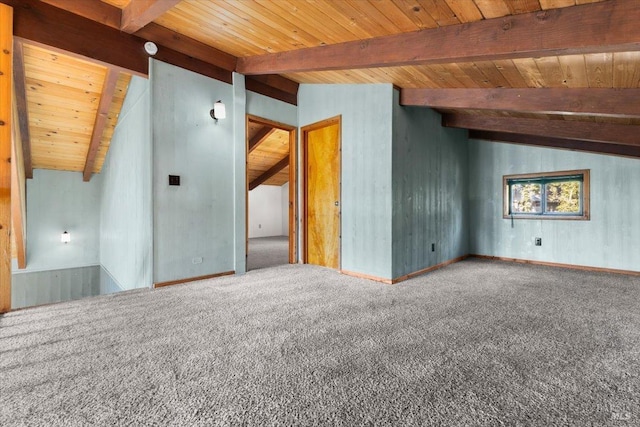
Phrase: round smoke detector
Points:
(150, 48)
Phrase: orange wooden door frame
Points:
(293, 211)
(337, 120)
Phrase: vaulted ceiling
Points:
(557, 73)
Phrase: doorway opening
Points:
(271, 193)
(321, 145)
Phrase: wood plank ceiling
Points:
(479, 62)
(63, 94)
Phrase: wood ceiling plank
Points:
(268, 174)
(479, 78)
(247, 20)
(529, 71)
(357, 17)
(527, 35)
(20, 95)
(108, 90)
(465, 10)
(565, 144)
(6, 70)
(574, 71)
(576, 101)
(260, 136)
(626, 70)
(139, 13)
(398, 15)
(587, 131)
(440, 12)
(511, 73)
(493, 8)
(554, 4)
(418, 15)
(600, 70)
(385, 14)
(523, 6)
(550, 71)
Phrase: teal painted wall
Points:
(366, 220)
(198, 219)
(59, 201)
(272, 109)
(430, 177)
(126, 218)
(611, 239)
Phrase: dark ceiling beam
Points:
(559, 143)
(139, 13)
(268, 174)
(56, 28)
(610, 26)
(583, 101)
(96, 10)
(260, 136)
(565, 129)
(20, 92)
(188, 46)
(108, 90)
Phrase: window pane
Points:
(526, 198)
(563, 197)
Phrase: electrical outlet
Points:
(433, 247)
(174, 179)
(197, 260)
(538, 241)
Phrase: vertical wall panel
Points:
(430, 176)
(611, 239)
(126, 218)
(46, 287)
(198, 218)
(272, 109)
(60, 201)
(366, 168)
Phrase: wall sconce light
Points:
(219, 111)
(65, 238)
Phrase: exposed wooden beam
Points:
(565, 129)
(18, 190)
(260, 136)
(584, 101)
(19, 83)
(6, 69)
(108, 90)
(110, 16)
(96, 10)
(271, 172)
(610, 26)
(56, 28)
(188, 46)
(181, 60)
(563, 144)
(139, 13)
